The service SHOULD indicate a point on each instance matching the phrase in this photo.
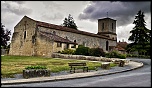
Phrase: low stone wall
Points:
(92, 58)
(35, 73)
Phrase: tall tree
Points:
(140, 34)
(5, 36)
(69, 22)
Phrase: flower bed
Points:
(35, 71)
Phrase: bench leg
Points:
(70, 69)
(85, 68)
(74, 70)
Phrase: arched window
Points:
(24, 34)
(107, 45)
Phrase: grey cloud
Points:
(52, 5)
(56, 16)
(15, 7)
(122, 11)
(19, 2)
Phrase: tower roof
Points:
(107, 18)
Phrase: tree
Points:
(5, 36)
(69, 22)
(140, 34)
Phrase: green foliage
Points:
(96, 52)
(115, 54)
(140, 35)
(122, 56)
(68, 51)
(5, 37)
(139, 56)
(69, 22)
(35, 67)
(81, 50)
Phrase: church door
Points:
(107, 45)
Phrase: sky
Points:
(84, 13)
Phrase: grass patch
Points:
(11, 65)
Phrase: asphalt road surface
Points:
(140, 77)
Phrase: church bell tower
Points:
(107, 27)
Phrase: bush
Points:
(115, 54)
(96, 52)
(81, 50)
(122, 56)
(68, 51)
(35, 67)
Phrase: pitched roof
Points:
(61, 28)
(56, 38)
(122, 44)
(119, 48)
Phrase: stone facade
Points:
(28, 40)
(21, 43)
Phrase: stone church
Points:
(36, 38)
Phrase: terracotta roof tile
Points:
(122, 44)
(120, 48)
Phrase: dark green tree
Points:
(140, 34)
(69, 22)
(5, 36)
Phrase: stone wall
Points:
(92, 58)
(21, 43)
(89, 41)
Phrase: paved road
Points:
(140, 77)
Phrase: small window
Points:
(74, 46)
(66, 37)
(112, 27)
(102, 26)
(59, 44)
(54, 32)
(24, 34)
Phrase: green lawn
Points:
(11, 65)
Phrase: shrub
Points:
(129, 55)
(81, 50)
(96, 52)
(35, 67)
(68, 51)
(115, 54)
(122, 56)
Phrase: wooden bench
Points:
(73, 66)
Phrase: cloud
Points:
(52, 6)
(19, 2)
(122, 11)
(12, 12)
(16, 7)
(55, 16)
